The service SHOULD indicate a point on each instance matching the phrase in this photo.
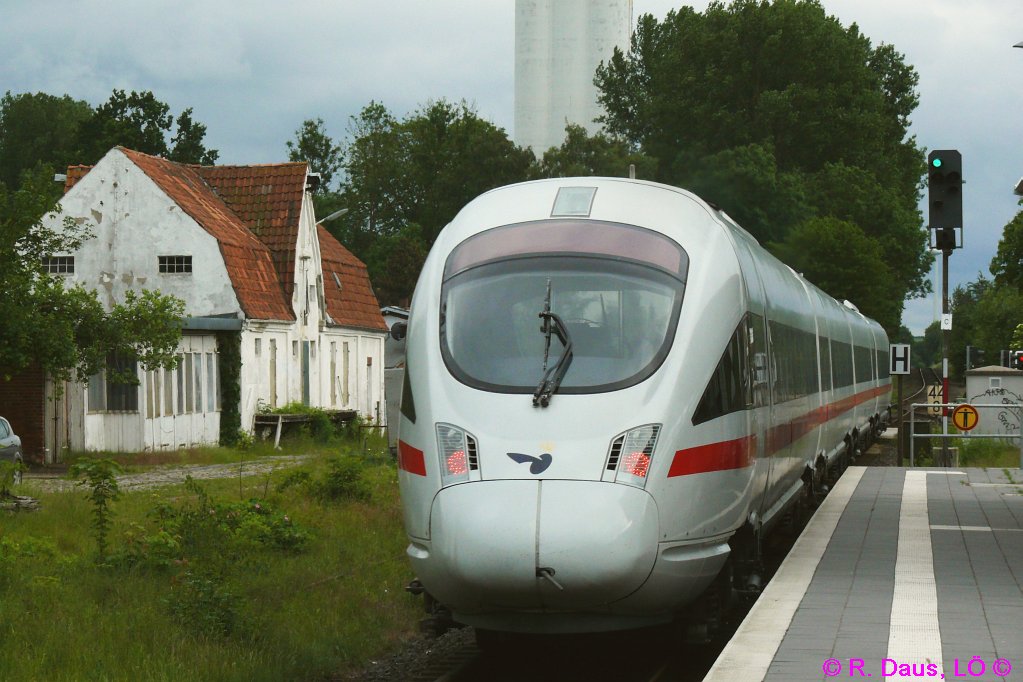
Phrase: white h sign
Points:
(898, 358)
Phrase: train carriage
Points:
(611, 392)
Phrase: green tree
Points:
(314, 146)
(141, 122)
(65, 330)
(372, 162)
(399, 257)
(977, 320)
(748, 183)
(1007, 265)
(585, 155)
(995, 319)
(842, 260)
(138, 121)
(187, 144)
(776, 112)
(928, 350)
(419, 171)
(38, 129)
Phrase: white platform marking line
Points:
(914, 636)
(751, 650)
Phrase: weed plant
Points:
(228, 580)
(988, 452)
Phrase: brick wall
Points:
(22, 403)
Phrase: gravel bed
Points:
(419, 658)
(174, 474)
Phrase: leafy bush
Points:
(207, 532)
(343, 480)
(8, 471)
(43, 550)
(320, 427)
(244, 440)
(140, 549)
(100, 476)
(202, 605)
(210, 529)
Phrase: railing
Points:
(965, 435)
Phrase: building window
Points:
(333, 373)
(995, 382)
(153, 393)
(345, 396)
(197, 366)
(211, 384)
(189, 390)
(168, 392)
(175, 264)
(59, 265)
(107, 394)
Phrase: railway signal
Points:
(945, 216)
(945, 196)
(1016, 359)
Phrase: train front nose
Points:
(538, 545)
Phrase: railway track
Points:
(914, 390)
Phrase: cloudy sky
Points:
(253, 71)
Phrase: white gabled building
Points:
(241, 246)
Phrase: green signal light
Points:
(936, 163)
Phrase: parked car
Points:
(10, 447)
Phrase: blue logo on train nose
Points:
(537, 465)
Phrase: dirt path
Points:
(172, 474)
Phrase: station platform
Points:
(900, 574)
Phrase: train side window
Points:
(794, 359)
(841, 363)
(882, 364)
(824, 348)
(729, 387)
(862, 358)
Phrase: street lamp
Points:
(335, 214)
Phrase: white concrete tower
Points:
(558, 45)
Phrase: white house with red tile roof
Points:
(241, 246)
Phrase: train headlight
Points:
(631, 454)
(458, 456)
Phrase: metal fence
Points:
(965, 435)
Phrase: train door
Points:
(758, 359)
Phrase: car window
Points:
(5, 430)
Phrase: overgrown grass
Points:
(182, 596)
(305, 440)
(987, 453)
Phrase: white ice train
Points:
(611, 392)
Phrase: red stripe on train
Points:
(740, 453)
(411, 459)
(732, 454)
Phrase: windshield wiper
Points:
(552, 325)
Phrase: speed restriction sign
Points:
(965, 417)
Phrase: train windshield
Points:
(619, 303)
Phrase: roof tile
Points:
(268, 199)
(349, 297)
(249, 262)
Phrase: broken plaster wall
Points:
(133, 223)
